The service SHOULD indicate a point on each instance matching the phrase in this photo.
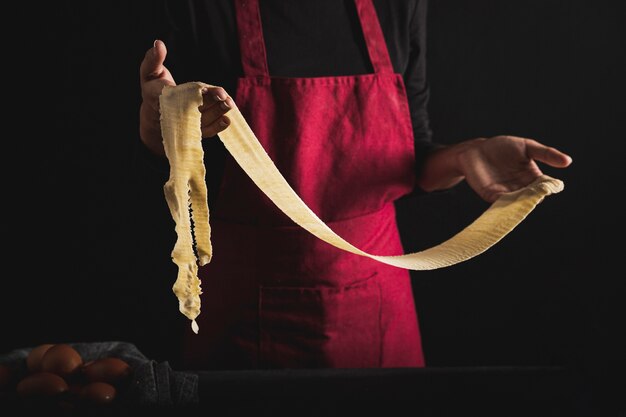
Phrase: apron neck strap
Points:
(252, 44)
(374, 38)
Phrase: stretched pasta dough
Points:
(186, 193)
(181, 133)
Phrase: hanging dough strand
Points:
(186, 192)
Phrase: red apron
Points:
(275, 295)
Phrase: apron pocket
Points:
(320, 327)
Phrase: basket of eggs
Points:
(55, 377)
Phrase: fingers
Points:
(216, 127)
(212, 95)
(215, 104)
(154, 75)
(546, 154)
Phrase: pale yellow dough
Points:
(186, 192)
(180, 121)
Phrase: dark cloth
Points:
(152, 383)
(312, 38)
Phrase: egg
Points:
(61, 359)
(33, 360)
(41, 385)
(110, 370)
(99, 393)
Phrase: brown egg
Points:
(33, 360)
(111, 370)
(99, 393)
(41, 385)
(6, 375)
(61, 359)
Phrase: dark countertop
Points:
(424, 392)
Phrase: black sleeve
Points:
(417, 86)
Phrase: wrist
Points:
(465, 154)
(441, 170)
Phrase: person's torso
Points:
(320, 38)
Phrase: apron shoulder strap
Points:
(251, 42)
(374, 38)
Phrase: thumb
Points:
(152, 65)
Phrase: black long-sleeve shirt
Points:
(306, 38)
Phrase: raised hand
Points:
(154, 76)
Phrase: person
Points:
(336, 92)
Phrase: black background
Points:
(92, 234)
